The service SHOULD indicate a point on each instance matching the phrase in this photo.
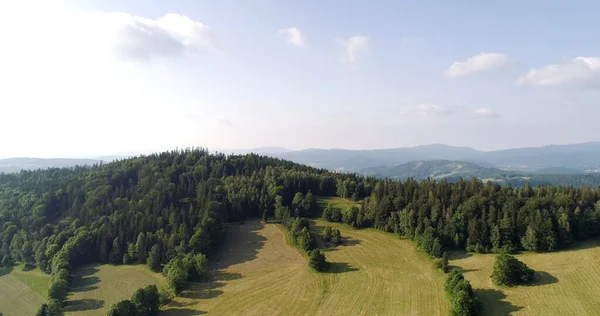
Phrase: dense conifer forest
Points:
(169, 208)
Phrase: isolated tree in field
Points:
(463, 301)
(317, 260)
(123, 308)
(336, 237)
(304, 239)
(509, 271)
(146, 300)
(327, 233)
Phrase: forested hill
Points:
(453, 170)
(437, 169)
(158, 208)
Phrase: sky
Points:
(87, 78)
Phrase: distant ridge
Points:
(17, 164)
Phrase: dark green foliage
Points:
(146, 301)
(463, 301)
(442, 263)
(331, 235)
(317, 260)
(153, 260)
(43, 311)
(196, 267)
(123, 308)
(300, 234)
(176, 274)
(350, 216)
(54, 308)
(326, 235)
(509, 271)
(58, 290)
(429, 243)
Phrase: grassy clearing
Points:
(337, 202)
(22, 292)
(567, 283)
(372, 273)
(96, 287)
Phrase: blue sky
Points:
(86, 78)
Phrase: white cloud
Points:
(172, 35)
(478, 63)
(117, 33)
(428, 110)
(293, 36)
(483, 113)
(577, 70)
(353, 47)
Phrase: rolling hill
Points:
(18, 164)
(437, 169)
(582, 157)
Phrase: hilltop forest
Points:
(156, 208)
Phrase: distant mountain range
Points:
(575, 158)
(435, 160)
(18, 164)
(452, 170)
(437, 169)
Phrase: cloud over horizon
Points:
(576, 70)
(478, 63)
(483, 113)
(427, 109)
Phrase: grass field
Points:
(567, 283)
(96, 287)
(22, 292)
(373, 273)
(337, 202)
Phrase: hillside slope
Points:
(437, 169)
(374, 273)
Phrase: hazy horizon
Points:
(267, 148)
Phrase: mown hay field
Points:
(22, 292)
(567, 282)
(96, 287)
(372, 273)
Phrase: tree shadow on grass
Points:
(84, 305)
(493, 302)
(87, 270)
(542, 278)
(6, 270)
(348, 241)
(183, 312)
(85, 284)
(242, 245)
(458, 254)
(207, 290)
(339, 267)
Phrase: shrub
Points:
(509, 271)
(463, 301)
(123, 308)
(317, 260)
